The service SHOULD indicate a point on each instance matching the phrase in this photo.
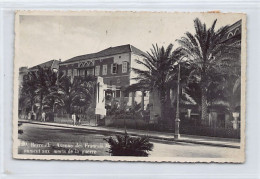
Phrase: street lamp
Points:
(177, 119)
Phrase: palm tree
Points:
(209, 56)
(37, 85)
(45, 82)
(77, 91)
(229, 95)
(156, 74)
(28, 88)
(54, 98)
(42, 85)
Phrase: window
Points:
(90, 71)
(124, 67)
(81, 64)
(114, 68)
(104, 72)
(97, 69)
(82, 72)
(75, 72)
(230, 34)
(70, 72)
(236, 31)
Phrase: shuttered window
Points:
(124, 67)
(97, 69)
(104, 72)
(114, 68)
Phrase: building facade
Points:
(112, 68)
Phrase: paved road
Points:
(92, 143)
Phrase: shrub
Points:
(125, 145)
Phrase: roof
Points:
(235, 25)
(51, 63)
(235, 34)
(107, 52)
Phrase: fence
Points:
(145, 125)
(85, 119)
(210, 131)
(184, 129)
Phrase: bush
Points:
(125, 145)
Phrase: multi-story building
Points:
(53, 64)
(112, 66)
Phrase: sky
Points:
(43, 36)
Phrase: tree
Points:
(210, 57)
(28, 88)
(78, 91)
(43, 84)
(37, 86)
(156, 74)
(229, 93)
(48, 89)
(54, 98)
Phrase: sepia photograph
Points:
(130, 86)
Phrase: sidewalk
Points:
(214, 141)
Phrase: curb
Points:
(209, 143)
(134, 134)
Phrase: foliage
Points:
(157, 72)
(53, 98)
(210, 58)
(47, 89)
(124, 111)
(28, 92)
(125, 145)
(78, 92)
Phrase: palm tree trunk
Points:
(142, 101)
(41, 99)
(69, 109)
(68, 106)
(133, 99)
(53, 108)
(204, 107)
(32, 105)
(162, 101)
(162, 110)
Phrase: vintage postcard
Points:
(130, 86)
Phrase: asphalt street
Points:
(92, 143)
